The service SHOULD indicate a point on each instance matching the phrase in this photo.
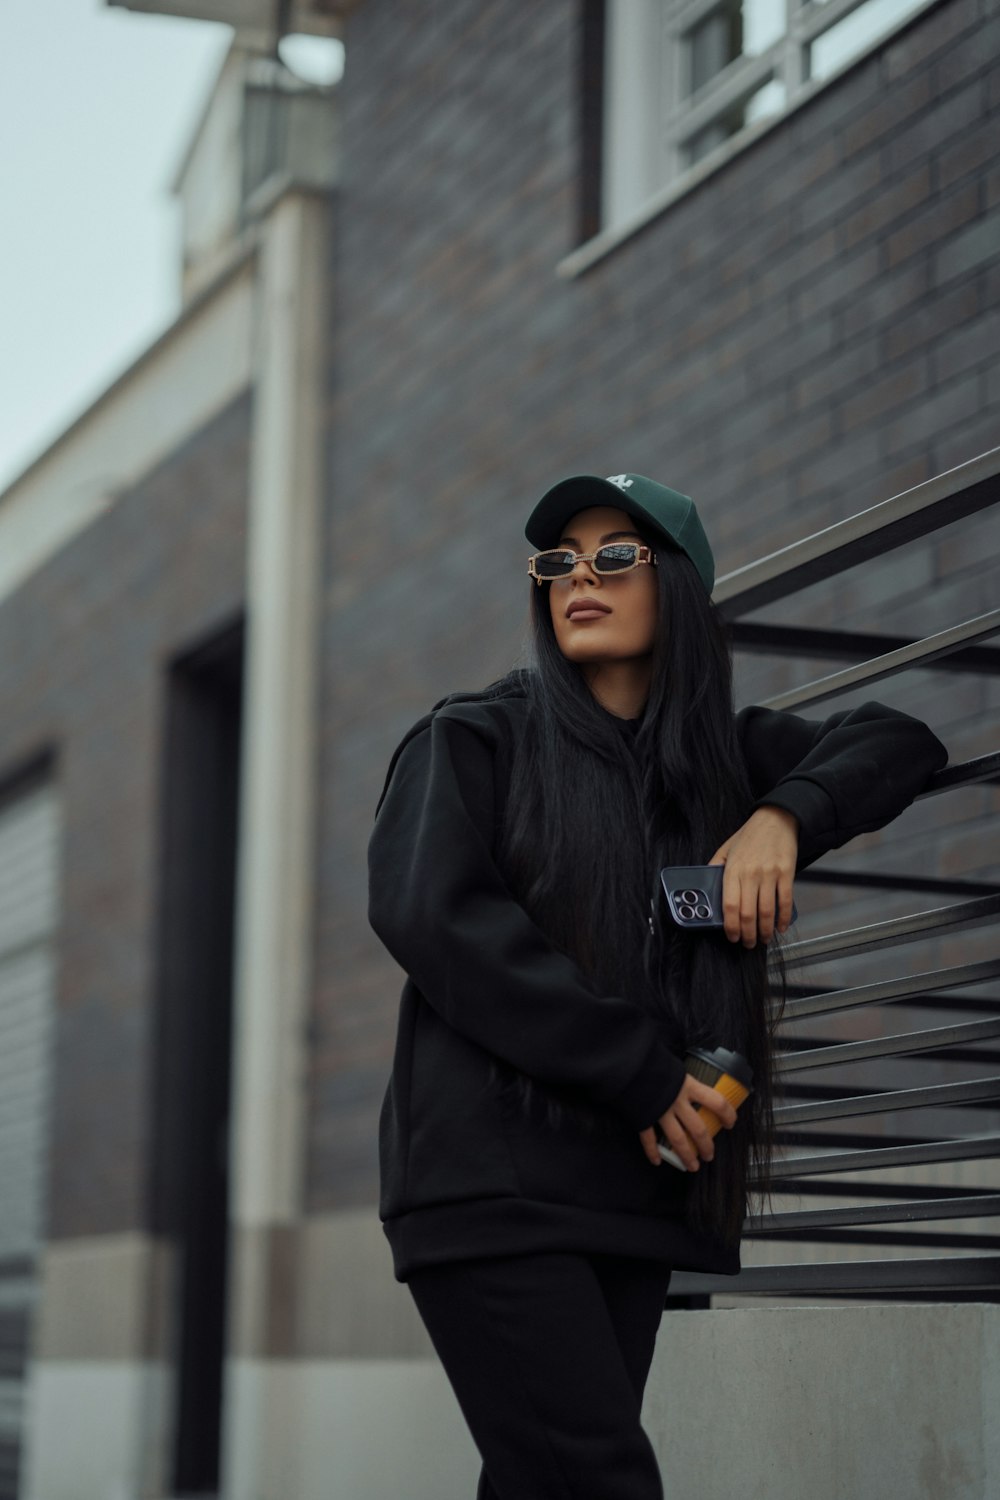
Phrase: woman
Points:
(514, 876)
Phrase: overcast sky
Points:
(96, 110)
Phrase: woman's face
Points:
(625, 624)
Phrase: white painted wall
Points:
(104, 1424)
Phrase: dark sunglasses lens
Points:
(554, 564)
(616, 558)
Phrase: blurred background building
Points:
(751, 250)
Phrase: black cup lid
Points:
(733, 1063)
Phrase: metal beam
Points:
(941, 921)
(935, 1095)
(884, 991)
(916, 654)
(947, 1273)
(967, 1149)
(889, 1046)
(973, 1206)
(983, 768)
(948, 497)
(756, 637)
(942, 885)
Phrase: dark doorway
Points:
(191, 1066)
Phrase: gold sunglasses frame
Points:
(644, 555)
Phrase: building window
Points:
(683, 78)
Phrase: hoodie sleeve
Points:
(841, 776)
(439, 904)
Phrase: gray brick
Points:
(956, 402)
(844, 370)
(977, 343)
(893, 202)
(885, 299)
(930, 319)
(977, 245)
(968, 439)
(888, 110)
(774, 277)
(851, 181)
(956, 114)
(928, 35)
(942, 217)
(967, 57)
(842, 465)
(872, 401)
(838, 285)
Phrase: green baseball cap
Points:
(665, 511)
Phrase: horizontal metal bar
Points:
(968, 1149)
(861, 1187)
(889, 1046)
(938, 1095)
(917, 1210)
(758, 638)
(917, 1239)
(939, 921)
(883, 991)
(917, 512)
(863, 674)
(802, 1090)
(854, 1139)
(884, 881)
(989, 1056)
(981, 769)
(857, 1275)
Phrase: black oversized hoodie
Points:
(465, 1171)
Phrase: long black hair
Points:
(595, 811)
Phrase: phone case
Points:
(694, 894)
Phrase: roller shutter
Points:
(28, 914)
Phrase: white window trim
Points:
(635, 172)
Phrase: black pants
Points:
(548, 1357)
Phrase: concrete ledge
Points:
(829, 1402)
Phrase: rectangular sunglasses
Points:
(614, 557)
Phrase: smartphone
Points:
(694, 895)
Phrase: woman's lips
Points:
(586, 609)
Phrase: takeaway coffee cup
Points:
(729, 1072)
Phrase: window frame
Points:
(646, 126)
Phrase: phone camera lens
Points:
(703, 911)
(693, 897)
(685, 910)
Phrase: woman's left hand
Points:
(757, 882)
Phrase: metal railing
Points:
(963, 1265)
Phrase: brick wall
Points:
(84, 644)
(808, 332)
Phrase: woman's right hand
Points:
(684, 1128)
